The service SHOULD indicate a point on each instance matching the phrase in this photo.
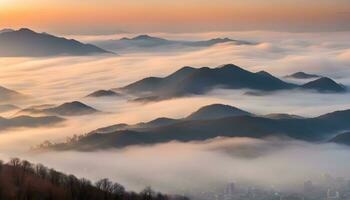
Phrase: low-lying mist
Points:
(180, 167)
(203, 166)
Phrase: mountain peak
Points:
(74, 104)
(265, 73)
(221, 40)
(25, 29)
(324, 84)
(28, 43)
(143, 37)
(103, 93)
(302, 75)
(6, 30)
(216, 111)
(72, 108)
(229, 66)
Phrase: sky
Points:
(111, 16)
(290, 36)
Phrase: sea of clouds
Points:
(167, 167)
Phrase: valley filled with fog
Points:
(184, 167)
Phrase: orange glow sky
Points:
(103, 16)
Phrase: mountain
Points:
(10, 95)
(343, 138)
(316, 129)
(74, 108)
(213, 111)
(196, 81)
(282, 116)
(103, 93)
(192, 81)
(215, 41)
(6, 30)
(8, 107)
(324, 84)
(302, 75)
(216, 111)
(27, 43)
(143, 42)
(28, 121)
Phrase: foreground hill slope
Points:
(20, 179)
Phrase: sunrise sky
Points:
(109, 16)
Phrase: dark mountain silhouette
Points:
(74, 108)
(28, 121)
(6, 30)
(343, 138)
(196, 81)
(213, 111)
(302, 75)
(143, 42)
(282, 116)
(8, 107)
(188, 80)
(315, 129)
(218, 41)
(25, 42)
(216, 111)
(20, 179)
(324, 85)
(103, 93)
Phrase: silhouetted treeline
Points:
(22, 180)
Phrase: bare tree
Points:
(1, 165)
(147, 194)
(15, 162)
(118, 191)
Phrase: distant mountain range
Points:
(27, 43)
(239, 124)
(143, 42)
(28, 121)
(74, 108)
(302, 75)
(195, 81)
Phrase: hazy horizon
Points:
(90, 17)
(278, 37)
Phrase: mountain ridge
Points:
(196, 81)
(316, 129)
(74, 108)
(302, 75)
(142, 42)
(28, 43)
